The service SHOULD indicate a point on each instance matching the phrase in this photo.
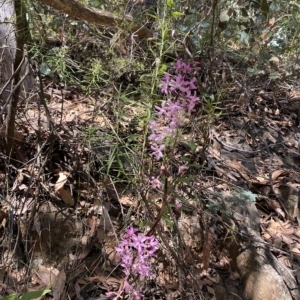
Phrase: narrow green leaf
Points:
(10, 297)
(177, 14)
(144, 223)
(169, 221)
(34, 295)
(152, 16)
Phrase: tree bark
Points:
(19, 67)
(7, 48)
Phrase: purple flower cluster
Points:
(179, 86)
(135, 251)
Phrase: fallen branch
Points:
(80, 11)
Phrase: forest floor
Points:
(62, 213)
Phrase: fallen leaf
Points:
(272, 22)
(274, 59)
(77, 291)
(59, 286)
(125, 200)
(295, 250)
(66, 196)
(62, 179)
(277, 173)
(47, 275)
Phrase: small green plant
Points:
(58, 63)
(27, 296)
(93, 77)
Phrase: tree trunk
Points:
(7, 48)
(14, 80)
(20, 67)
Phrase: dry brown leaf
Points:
(274, 59)
(105, 221)
(18, 180)
(277, 173)
(240, 168)
(273, 225)
(297, 232)
(262, 180)
(18, 135)
(3, 218)
(77, 291)
(53, 278)
(2, 274)
(62, 179)
(242, 100)
(47, 275)
(266, 236)
(252, 115)
(286, 239)
(59, 286)
(126, 200)
(264, 37)
(272, 22)
(81, 281)
(295, 250)
(287, 227)
(285, 261)
(23, 187)
(297, 245)
(207, 247)
(100, 235)
(280, 211)
(66, 196)
(37, 224)
(92, 222)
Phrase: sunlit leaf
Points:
(224, 16)
(177, 14)
(170, 3)
(274, 59)
(164, 68)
